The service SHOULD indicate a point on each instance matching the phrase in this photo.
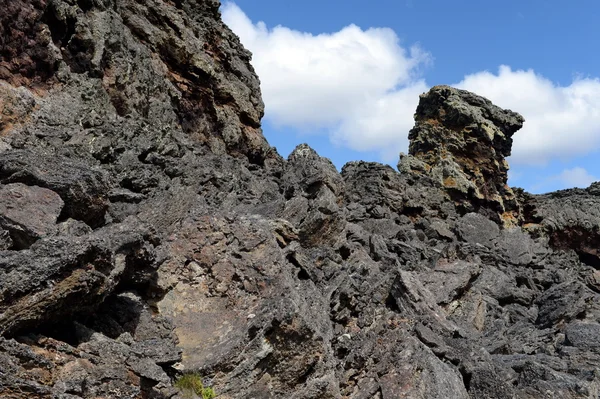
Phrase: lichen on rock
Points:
(462, 141)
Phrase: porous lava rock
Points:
(148, 230)
(461, 140)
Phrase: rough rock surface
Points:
(147, 229)
(28, 213)
(460, 140)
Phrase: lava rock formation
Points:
(147, 229)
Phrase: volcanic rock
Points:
(28, 212)
(148, 230)
(461, 141)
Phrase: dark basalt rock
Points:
(148, 229)
(28, 213)
(82, 187)
(461, 140)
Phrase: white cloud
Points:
(560, 121)
(360, 85)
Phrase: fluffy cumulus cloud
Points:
(362, 88)
(560, 121)
(360, 85)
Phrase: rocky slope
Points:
(147, 230)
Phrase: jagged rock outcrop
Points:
(147, 229)
(461, 141)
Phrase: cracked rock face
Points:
(147, 229)
(461, 140)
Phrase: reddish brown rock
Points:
(26, 54)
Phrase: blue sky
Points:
(344, 76)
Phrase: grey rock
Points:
(314, 181)
(583, 335)
(176, 240)
(72, 227)
(448, 282)
(563, 302)
(6, 241)
(477, 229)
(42, 282)
(420, 374)
(516, 246)
(28, 213)
(82, 188)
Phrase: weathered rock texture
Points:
(461, 140)
(147, 229)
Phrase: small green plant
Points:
(208, 393)
(191, 384)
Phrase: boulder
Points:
(28, 213)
